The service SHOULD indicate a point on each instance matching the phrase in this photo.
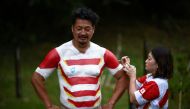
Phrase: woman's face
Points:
(151, 65)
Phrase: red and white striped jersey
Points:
(79, 73)
(152, 92)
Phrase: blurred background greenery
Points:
(36, 26)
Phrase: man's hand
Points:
(54, 107)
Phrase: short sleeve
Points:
(111, 62)
(147, 92)
(140, 81)
(49, 63)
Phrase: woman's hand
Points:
(125, 61)
(130, 69)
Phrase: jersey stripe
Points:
(83, 103)
(45, 72)
(79, 80)
(93, 61)
(142, 79)
(82, 93)
(163, 101)
(147, 105)
(101, 70)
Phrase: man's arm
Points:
(38, 84)
(43, 71)
(120, 87)
(115, 68)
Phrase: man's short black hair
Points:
(86, 14)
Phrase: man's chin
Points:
(83, 41)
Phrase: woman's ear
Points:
(93, 29)
(72, 28)
(156, 66)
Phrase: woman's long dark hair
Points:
(163, 58)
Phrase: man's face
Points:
(82, 31)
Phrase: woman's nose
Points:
(145, 61)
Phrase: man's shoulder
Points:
(96, 46)
(64, 47)
(66, 44)
(100, 47)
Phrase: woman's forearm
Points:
(132, 89)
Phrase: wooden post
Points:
(119, 46)
(180, 95)
(17, 72)
(144, 54)
(118, 53)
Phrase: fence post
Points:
(17, 72)
(144, 54)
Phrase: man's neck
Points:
(81, 47)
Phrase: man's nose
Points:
(83, 31)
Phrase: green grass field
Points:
(132, 45)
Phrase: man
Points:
(80, 64)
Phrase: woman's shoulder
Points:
(162, 83)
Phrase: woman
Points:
(151, 90)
